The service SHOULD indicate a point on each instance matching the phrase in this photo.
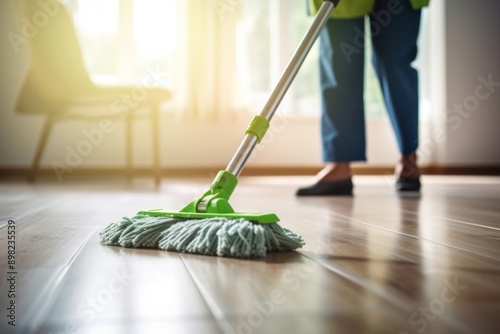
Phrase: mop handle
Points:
(239, 159)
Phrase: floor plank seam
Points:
(456, 221)
(380, 292)
(360, 282)
(215, 310)
(47, 297)
(414, 237)
(17, 216)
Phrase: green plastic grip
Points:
(217, 197)
(258, 127)
(224, 181)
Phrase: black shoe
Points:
(408, 184)
(327, 188)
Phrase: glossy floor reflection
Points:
(373, 263)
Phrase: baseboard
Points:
(461, 170)
(377, 170)
(210, 171)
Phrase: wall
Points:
(472, 51)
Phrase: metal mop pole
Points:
(239, 159)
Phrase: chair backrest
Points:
(57, 70)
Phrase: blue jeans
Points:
(394, 36)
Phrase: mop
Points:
(209, 225)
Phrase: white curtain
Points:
(206, 78)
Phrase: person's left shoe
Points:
(328, 188)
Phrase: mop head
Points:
(238, 238)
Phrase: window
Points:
(272, 31)
(121, 39)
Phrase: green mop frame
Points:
(215, 201)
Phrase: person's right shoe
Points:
(407, 184)
(407, 174)
(328, 188)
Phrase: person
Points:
(394, 26)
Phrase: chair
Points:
(58, 86)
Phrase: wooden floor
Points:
(373, 263)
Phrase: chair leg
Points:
(128, 146)
(156, 143)
(40, 148)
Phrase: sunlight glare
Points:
(97, 18)
(155, 27)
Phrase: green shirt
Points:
(357, 8)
